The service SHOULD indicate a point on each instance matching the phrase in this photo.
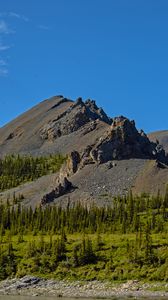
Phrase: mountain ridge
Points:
(113, 156)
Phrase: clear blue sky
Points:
(113, 51)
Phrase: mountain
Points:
(55, 125)
(106, 156)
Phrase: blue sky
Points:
(113, 51)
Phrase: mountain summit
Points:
(61, 125)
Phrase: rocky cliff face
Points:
(61, 183)
(78, 115)
(123, 141)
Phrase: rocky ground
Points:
(34, 286)
(94, 183)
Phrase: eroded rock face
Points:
(71, 165)
(61, 189)
(78, 115)
(123, 141)
(62, 184)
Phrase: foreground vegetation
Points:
(16, 169)
(128, 240)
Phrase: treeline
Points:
(16, 169)
(83, 242)
(126, 214)
(84, 257)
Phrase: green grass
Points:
(113, 259)
(126, 241)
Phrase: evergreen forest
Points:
(126, 240)
(17, 169)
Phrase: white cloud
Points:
(18, 16)
(4, 28)
(7, 19)
(3, 72)
(43, 27)
(14, 15)
(4, 47)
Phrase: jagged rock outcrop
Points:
(78, 115)
(71, 165)
(123, 141)
(62, 184)
(62, 188)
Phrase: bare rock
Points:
(91, 126)
(110, 165)
(123, 141)
(71, 165)
(61, 189)
(78, 115)
(61, 183)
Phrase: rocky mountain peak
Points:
(76, 116)
(79, 125)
